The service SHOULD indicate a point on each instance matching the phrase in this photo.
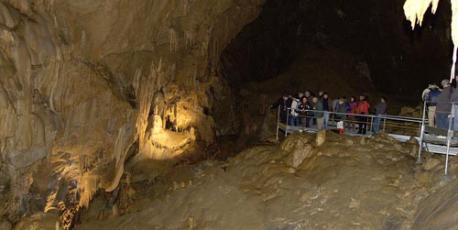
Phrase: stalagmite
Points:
(415, 10)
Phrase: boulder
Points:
(297, 157)
(320, 137)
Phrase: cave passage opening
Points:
(346, 49)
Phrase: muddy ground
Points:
(305, 182)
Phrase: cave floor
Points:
(346, 183)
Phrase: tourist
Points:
(380, 110)
(334, 103)
(318, 113)
(300, 96)
(325, 102)
(305, 108)
(282, 105)
(308, 95)
(352, 106)
(320, 94)
(454, 101)
(340, 109)
(363, 109)
(294, 118)
(430, 95)
(443, 105)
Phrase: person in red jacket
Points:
(362, 108)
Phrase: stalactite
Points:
(186, 6)
(189, 39)
(173, 42)
(145, 97)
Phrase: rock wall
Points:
(87, 84)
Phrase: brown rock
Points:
(431, 163)
(320, 137)
(5, 225)
(299, 155)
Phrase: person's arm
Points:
(276, 104)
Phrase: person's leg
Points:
(431, 115)
(360, 124)
(376, 125)
(326, 119)
(455, 120)
(320, 123)
(307, 122)
(440, 121)
(283, 116)
(364, 126)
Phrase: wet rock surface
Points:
(342, 184)
(86, 85)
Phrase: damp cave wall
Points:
(87, 84)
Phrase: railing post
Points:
(287, 122)
(372, 124)
(449, 136)
(384, 125)
(278, 122)
(422, 131)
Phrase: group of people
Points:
(441, 102)
(307, 110)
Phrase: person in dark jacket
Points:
(318, 113)
(281, 103)
(305, 113)
(443, 105)
(326, 109)
(340, 109)
(380, 110)
(429, 96)
(454, 101)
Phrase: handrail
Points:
(382, 116)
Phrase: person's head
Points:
(383, 99)
(307, 93)
(352, 99)
(454, 81)
(433, 86)
(341, 100)
(285, 97)
(445, 83)
(362, 98)
(325, 95)
(315, 99)
(320, 93)
(290, 96)
(304, 100)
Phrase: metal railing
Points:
(450, 134)
(373, 123)
(402, 126)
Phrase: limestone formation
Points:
(86, 85)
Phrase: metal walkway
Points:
(401, 128)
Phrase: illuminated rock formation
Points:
(86, 84)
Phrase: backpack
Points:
(431, 97)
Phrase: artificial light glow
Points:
(163, 144)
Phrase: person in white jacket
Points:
(294, 119)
